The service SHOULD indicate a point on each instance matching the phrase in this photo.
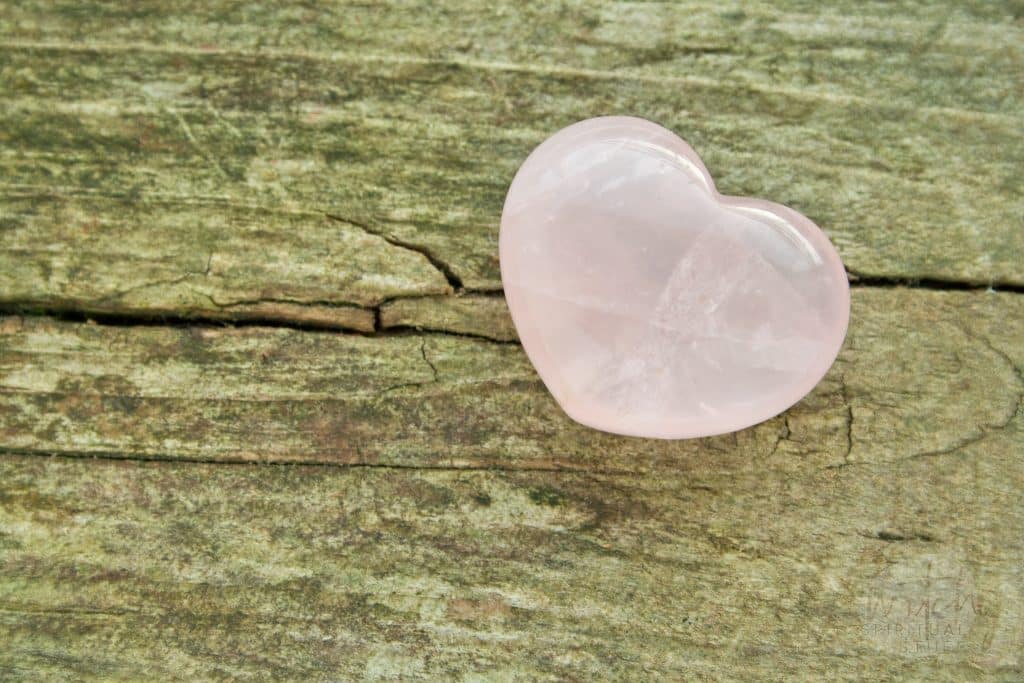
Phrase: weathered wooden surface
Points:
(160, 162)
(166, 570)
(441, 400)
(367, 480)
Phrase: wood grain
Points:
(432, 514)
(201, 156)
(441, 400)
(263, 413)
(697, 571)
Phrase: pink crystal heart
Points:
(652, 305)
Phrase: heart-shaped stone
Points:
(652, 305)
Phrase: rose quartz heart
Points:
(652, 305)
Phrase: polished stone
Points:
(652, 305)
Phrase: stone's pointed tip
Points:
(651, 305)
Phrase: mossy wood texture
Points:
(360, 476)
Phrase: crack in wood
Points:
(67, 611)
(985, 430)
(844, 392)
(454, 281)
(168, 459)
(129, 317)
(893, 536)
(862, 280)
(430, 364)
(783, 435)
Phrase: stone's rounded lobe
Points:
(650, 304)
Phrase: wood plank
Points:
(181, 499)
(921, 373)
(162, 164)
(706, 568)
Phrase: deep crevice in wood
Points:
(931, 284)
(114, 457)
(147, 319)
(138, 318)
